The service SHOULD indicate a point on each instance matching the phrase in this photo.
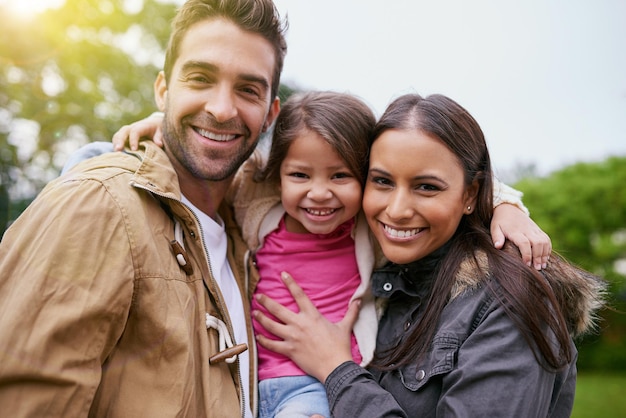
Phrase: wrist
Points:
(328, 367)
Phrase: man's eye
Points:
(251, 91)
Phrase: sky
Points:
(546, 80)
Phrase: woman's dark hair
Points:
(525, 295)
(343, 120)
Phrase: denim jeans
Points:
(292, 397)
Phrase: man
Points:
(122, 286)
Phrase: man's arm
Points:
(65, 291)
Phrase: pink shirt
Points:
(323, 265)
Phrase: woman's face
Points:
(415, 194)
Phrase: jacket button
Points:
(387, 287)
(420, 375)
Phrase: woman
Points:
(468, 330)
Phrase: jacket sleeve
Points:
(506, 194)
(353, 392)
(251, 201)
(66, 283)
(92, 149)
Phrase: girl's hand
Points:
(315, 344)
(509, 222)
(149, 127)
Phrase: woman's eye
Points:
(381, 181)
(428, 187)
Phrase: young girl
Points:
(299, 211)
(468, 330)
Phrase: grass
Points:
(600, 395)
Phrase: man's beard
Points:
(178, 147)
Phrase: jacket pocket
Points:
(440, 360)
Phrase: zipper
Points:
(220, 300)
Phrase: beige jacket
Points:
(97, 316)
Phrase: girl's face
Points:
(318, 191)
(415, 194)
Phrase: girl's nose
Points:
(319, 192)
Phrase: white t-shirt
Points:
(216, 244)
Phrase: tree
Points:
(583, 209)
(68, 76)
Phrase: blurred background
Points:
(546, 81)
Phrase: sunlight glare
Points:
(26, 8)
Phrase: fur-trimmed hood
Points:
(581, 294)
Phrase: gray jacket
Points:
(479, 363)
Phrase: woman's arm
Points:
(149, 127)
(322, 350)
(317, 345)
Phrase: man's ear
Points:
(160, 91)
(272, 114)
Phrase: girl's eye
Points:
(298, 175)
(342, 175)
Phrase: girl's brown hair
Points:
(343, 120)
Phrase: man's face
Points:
(217, 101)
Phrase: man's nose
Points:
(221, 103)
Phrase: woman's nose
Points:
(399, 206)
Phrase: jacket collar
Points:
(155, 172)
(412, 279)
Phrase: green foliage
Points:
(71, 75)
(583, 209)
